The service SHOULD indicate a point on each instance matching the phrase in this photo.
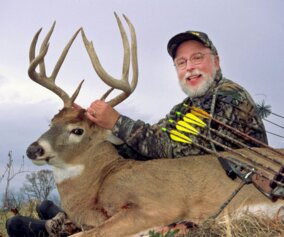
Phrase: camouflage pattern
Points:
(60, 226)
(234, 106)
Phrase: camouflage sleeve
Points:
(148, 140)
(235, 107)
(144, 141)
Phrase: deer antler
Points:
(41, 77)
(123, 83)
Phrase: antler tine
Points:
(41, 78)
(134, 62)
(109, 80)
(134, 53)
(126, 55)
(123, 83)
(33, 45)
(44, 44)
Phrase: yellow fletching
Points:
(185, 127)
(179, 137)
(199, 112)
(191, 118)
(181, 128)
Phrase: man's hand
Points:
(102, 114)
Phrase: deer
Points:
(122, 197)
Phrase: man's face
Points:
(195, 80)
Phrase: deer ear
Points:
(113, 139)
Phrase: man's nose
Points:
(189, 66)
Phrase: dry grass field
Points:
(3, 217)
(247, 226)
(27, 210)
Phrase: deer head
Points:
(71, 133)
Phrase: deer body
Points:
(120, 197)
(115, 196)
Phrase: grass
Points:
(27, 210)
(3, 218)
(248, 225)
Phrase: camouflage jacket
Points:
(233, 106)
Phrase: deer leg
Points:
(129, 222)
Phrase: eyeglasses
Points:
(195, 59)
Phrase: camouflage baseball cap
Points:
(203, 38)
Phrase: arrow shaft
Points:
(204, 114)
(219, 155)
(253, 162)
(268, 158)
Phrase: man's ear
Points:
(217, 62)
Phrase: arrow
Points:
(184, 127)
(177, 136)
(200, 112)
(193, 119)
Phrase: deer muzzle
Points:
(34, 151)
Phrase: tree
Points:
(39, 185)
(16, 200)
(10, 175)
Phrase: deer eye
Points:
(77, 131)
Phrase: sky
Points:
(248, 35)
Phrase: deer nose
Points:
(34, 151)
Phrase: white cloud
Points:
(3, 80)
(21, 91)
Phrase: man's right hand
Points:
(102, 114)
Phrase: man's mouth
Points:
(193, 77)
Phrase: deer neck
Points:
(87, 178)
(87, 164)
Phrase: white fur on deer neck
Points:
(62, 171)
(66, 172)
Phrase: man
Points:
(52, 223)
(198, 68)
